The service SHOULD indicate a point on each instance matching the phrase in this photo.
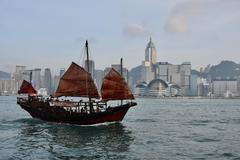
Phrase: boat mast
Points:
(88, 64)
(87, 56)
(121, 72)
(30, 76)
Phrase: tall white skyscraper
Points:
(147, 69)
(151, 53)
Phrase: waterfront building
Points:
(11, 86)
(175, 74)
(224, 87)
(157, 88)
(173, 90)
(193, 85)
(141, 89)
(203, 87)
(7, 87)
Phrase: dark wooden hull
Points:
(43, 111)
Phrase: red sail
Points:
(77, 82)
(26, 88)
(114, 87)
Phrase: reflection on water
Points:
(70, 141)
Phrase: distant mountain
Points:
(223, 70)
(5, 75)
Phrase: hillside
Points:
(225, 69)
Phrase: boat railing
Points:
(76, 104)
(81, 107)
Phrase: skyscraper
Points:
(175, 74)
(36, 78)
(91, 67)
(20, 69)
(18, 76)
(151, 53)
(56, 80)
(62, 71)
(27, 75)
(147, 68)
(48, 80)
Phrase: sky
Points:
(51, 34)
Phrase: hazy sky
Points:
(51, 33)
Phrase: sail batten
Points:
(114, 87)
(26, 88)
(77, 82)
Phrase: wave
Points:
(145, 120)
(200, 122)
(204, 139)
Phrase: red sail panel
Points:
(76, 82)
(26, 88)
(114, 87)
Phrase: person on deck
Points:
(98, 110)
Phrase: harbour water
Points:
(156, 129)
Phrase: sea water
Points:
(155, 129)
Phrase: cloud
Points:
(135, 30)
(184, 13)
(181, 15)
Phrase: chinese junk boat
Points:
(77, 82)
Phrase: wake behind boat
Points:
(77, 82)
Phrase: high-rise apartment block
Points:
(225, 87)
(48, 80)
(175, 74)
(36, 78)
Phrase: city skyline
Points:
(52, 34)
(151, 78)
